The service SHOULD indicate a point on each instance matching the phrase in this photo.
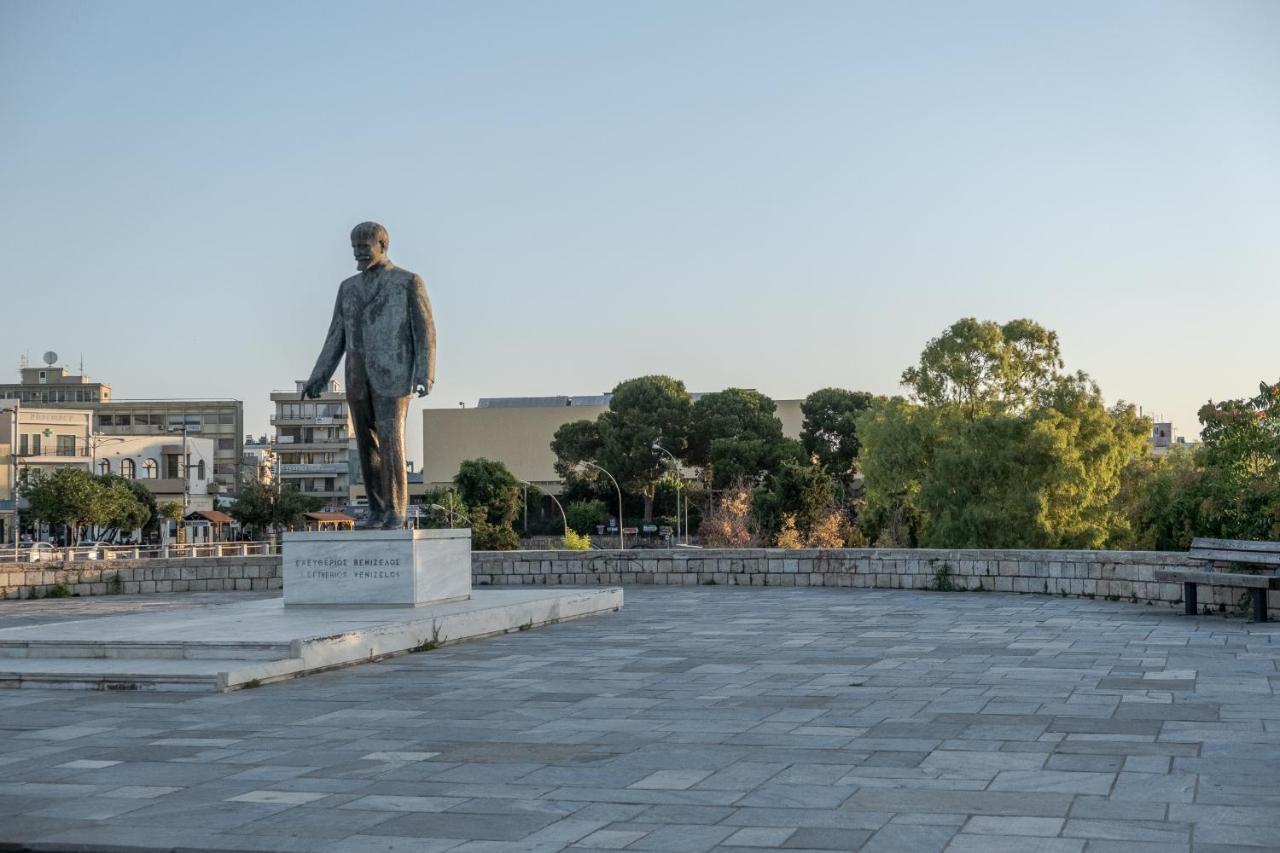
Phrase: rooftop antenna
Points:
(82, 364)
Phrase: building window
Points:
(200, 470)
(226, 444)
(149, 469)
(105, 420)
(128, 469)
(171, 466)
(104, 467)
(66, 445)
(22, 445)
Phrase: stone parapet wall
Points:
(1113, 575)
(107, 577)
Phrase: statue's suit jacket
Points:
(382, 321)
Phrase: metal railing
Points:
(80, 452)
(45, 553)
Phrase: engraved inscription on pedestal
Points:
(379, 567)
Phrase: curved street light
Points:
(553, 497)
(622, 543)
(675, 466)
(449, 512)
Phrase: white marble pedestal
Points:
(377, 567)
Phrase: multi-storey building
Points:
(221, 420)
(49, 386)
(8, 473)
(42, 440)
(169, 467)
(259, 459)
(312, 443)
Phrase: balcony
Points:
(313, 420)
(330, 445)
(313, 468)
(55, 453)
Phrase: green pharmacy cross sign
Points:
(47, 432)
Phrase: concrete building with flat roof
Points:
(517, 431)
(8, 472)
(313, 443)
(222, 420)
(163, 465)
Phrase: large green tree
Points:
(804, 493)
(983, 366)
(487, 484)
(1000, 449)
(260, 507)
(79, 500)
(830, 430)
(1227, 488)
(736, 434)
(641, 411)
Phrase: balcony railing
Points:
(313, 468)
(73, 452)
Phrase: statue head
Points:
(369, 243)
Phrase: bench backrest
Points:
(1236, 551)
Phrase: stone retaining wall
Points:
(1113, 575)
(106, 577)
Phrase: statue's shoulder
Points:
(348, 282)
(406, 276)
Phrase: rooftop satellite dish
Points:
(50, 358)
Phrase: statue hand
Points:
(423, 390)
(313, 389)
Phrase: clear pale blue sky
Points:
(781, 195)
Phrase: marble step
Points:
(129, 674)
(138, 649)
(249, 644)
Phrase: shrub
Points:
(583, 516)
(574, 541)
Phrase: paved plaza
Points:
(697, 718)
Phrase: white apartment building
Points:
(312, 443)
(169, 470)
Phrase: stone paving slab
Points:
(696, 719)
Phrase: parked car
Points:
(41, 551)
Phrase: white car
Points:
(41, 551)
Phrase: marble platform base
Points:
(250, 643)
(376, 567)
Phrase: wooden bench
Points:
(1214, 551)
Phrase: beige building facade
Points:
(8, 473)
(221, 420)
(169, 468)
(517, 431)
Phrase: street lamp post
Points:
(558, 506)
(675, 466)
(622, 542)
(96, 440)
(448, 511)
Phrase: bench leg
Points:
(1190, 605)
(1259, 597)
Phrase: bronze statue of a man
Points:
(382, 321)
